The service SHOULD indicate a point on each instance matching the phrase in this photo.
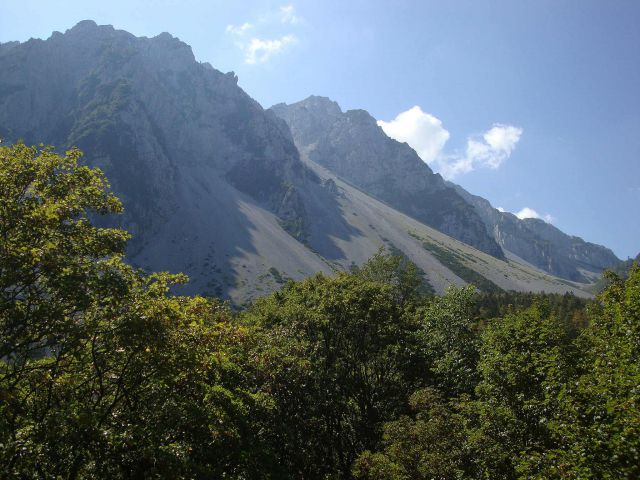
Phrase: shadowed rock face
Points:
(351, 145)
(147, 113)
(542, 244)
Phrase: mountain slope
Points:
(542, 244)
(175, 138)
(354, 147)
(213, 184)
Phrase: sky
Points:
(533, 105)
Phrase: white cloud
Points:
(495, 147)
(239, 29)
(527, 212)
(288, 15)
(500, 209)
(487, 151)
(259, 50)
(422, 131)
(426, 135)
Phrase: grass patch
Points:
(454, 262)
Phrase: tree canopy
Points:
(105, 374)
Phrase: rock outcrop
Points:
(543, 245)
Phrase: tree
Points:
(102, 373)
(449, 341)
(431, 445)
(599, 422)
(526, 359)
(53, 262)
(345, 351)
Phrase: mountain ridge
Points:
(532, 239)
(352, 145)
(319, 128)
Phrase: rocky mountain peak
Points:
(87, 26)
(353, 146)
(321, 105)
(361, 117)
(151, 117)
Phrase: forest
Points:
(104, 373)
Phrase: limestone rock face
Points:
(150, 116)
(197, 163)
(354, 147)
(542, 244)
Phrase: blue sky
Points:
(532, 105)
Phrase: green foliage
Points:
(525, 359)
(567, 308)
(53, 262)
(455, 262)
(600, 417)
(343, 366)
(103, 374)
(397, 271)
(450, 342)
(433, 445)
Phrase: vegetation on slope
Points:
(105, 375)
(455, 262)
(620, 270)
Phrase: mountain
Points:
(622, 270)
(191, 155)
(354, 147)
(542, 244)
(213, 185)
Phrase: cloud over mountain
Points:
(527, 212)
(262, 46)
(426, 135)
(259, 50)
(422, 131)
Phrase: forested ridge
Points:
(105, 374)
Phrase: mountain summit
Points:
(353, 146)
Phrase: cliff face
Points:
(351, 145)
(190, 154)
(150, 116)
(542, 244)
